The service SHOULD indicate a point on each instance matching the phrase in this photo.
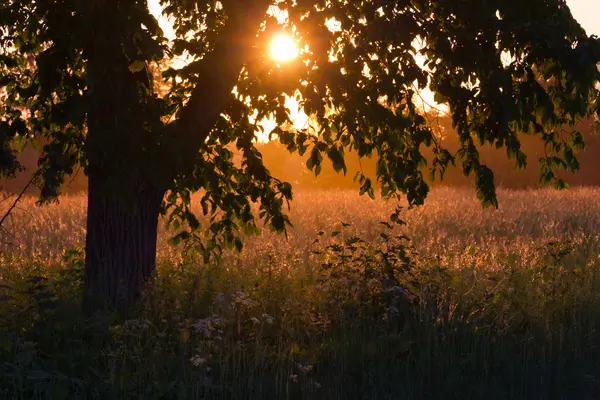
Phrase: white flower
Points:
(209, 325)
(268, 319)
(305, 368)
(242, 299)
(198, 361)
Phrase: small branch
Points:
(425, 102)
(14, 204)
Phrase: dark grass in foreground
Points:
(357, 319)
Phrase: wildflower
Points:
(305, 368)
(208, 326)
(220, 298)
(198, 361)
(268, 319)
(115, 329)
(242, 299)
(254, 320)
(184, 335)
(294, 349)
(294, 377)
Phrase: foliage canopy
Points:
(95, 79)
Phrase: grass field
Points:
(490, 304)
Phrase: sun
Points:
(283, 48)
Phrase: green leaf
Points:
(137, 66)
(177, 239)
(238, 244)
(440, 98)
(286, 190)
(337, 158)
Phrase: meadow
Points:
(459, 302)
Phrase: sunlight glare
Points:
(283, 48)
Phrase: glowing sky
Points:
(587, 12)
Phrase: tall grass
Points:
(490, 304)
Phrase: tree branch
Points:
(14, 204)
(220, 73)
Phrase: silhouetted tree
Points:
(77, 73)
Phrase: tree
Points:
(79, 73)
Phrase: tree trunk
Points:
(120, 245)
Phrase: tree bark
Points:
(120, 245)
(124, 198)
(125, 187)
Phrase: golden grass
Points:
(487, 310)
(452, 226)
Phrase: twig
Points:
(425, 102)
(14, 204)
